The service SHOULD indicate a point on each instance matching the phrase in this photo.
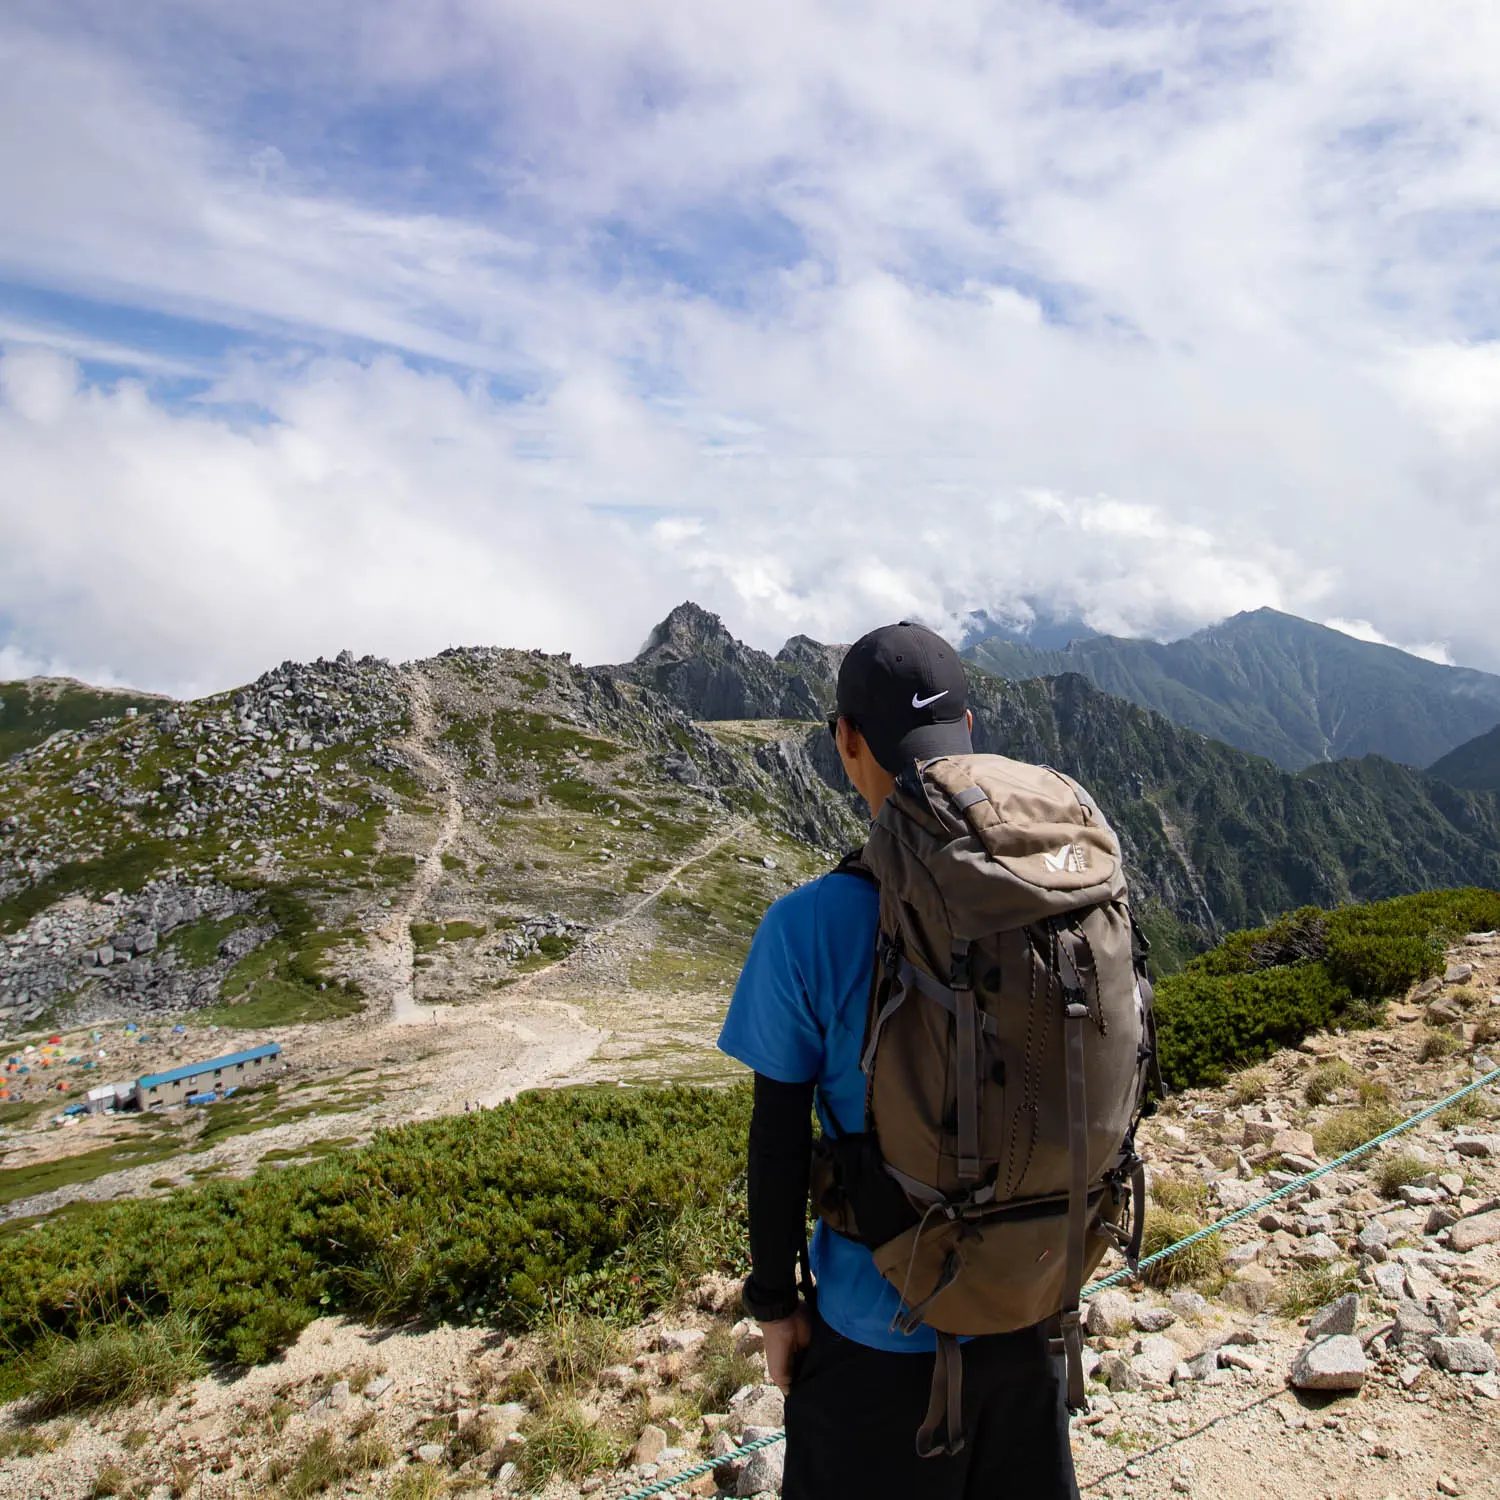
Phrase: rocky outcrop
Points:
(126, 947)
(693, 661)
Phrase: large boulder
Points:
(1156, 1360)
(762, 1471)
(757, 1406)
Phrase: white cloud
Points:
(377, 509)
(854, 314)
(1363, 630)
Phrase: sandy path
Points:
(390, 963)
(479, 1054)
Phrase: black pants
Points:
(853, 1413)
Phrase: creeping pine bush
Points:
(1268, 988)
(476, 1217)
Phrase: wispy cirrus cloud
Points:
(533, 317)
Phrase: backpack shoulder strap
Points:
(853, 863)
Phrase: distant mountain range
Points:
(1475, 764)
(1030, 625)
(1277, 686)
(1216, 839)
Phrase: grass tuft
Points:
(1399, 1170)
(1327, 1079)
(562, 1441)
(570, 1350)
(1199, 1265)
(1250, 1086)
(723, 1369)
(418, 1483)
(1437, 1044)
(1348, 1128)
(1308, 1289)
(111, 1480)
(114, 1361)
(1181, 1195)
(26, 1442)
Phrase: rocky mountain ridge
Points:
(325, 779)
(37, 707)
(1279, 686)
(1216, 839)
(582, 784)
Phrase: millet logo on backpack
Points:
(1070, 857)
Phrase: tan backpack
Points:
(1008, 1051)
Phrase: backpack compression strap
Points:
(941, 1431)
(1075, 1013)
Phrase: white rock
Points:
(1319, 1250)
(1153, 1319)
(1469, 1234)
(764, 1468)
(1335, 1363)
(1188, 1304)
(1481, 1146)
(1341, 1316)
(1463, 1356)
(680, 1340)
(1156, 1360)
(1109, 1312)
(757, 1406)
(650, 1445)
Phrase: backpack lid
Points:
(999, 843)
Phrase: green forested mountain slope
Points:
(38, 706)
(1278, 686)
(1221, 839)
(1475, 764)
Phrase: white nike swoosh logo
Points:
(917, 702)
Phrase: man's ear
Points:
(969, 715)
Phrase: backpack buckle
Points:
(961, 973)
(890, 954)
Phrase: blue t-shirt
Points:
(798, 1016)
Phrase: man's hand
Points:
(786, 1338)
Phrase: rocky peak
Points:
(815, 662)
(693, 661)
(687, 630)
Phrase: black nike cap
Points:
(904, 689)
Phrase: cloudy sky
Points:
(398, 326)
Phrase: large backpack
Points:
(1008, 1050)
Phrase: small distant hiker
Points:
(964, 1001)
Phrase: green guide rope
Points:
(1124, 1274)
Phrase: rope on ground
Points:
(706, 1467)
(1124, 1273)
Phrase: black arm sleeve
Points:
(780, 1155)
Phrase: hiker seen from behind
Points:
(964, 1005)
